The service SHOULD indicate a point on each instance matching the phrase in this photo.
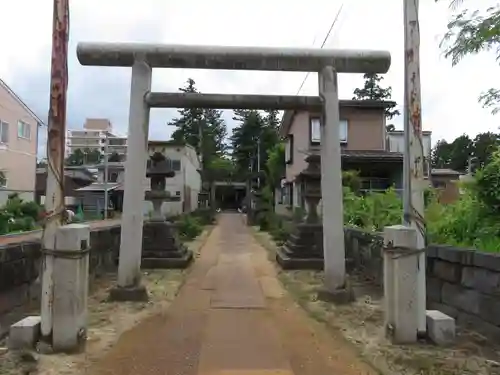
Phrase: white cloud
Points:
(449, 94)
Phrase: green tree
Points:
(114, 157)
(275, 165)
(189, 122)
(390, 128)
(77, 157)
(442, 154)
(456, 155)
(373, 91)
(469, 33)
(488, 183)
(93, 156)
(221, 168)
(253, 129)
(484, 145)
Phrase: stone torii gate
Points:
(143, 57)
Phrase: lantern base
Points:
(161, 247)
(303, 249)
(287, 262)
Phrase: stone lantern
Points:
(304, 247)
(161, 247)
(311, 177)
(158, 171)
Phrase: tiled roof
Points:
(372, 154)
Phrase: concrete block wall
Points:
(465, 284)
(20, 267)
(462, 283)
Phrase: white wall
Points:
(24, 195)
(188, 176)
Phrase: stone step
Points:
(175, 263)
(301, 252)
(290, 263)
(164, 253)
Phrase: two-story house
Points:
(18, 145)
(363, 139)
(186, 184)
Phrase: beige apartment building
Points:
(18, 145)
(93, 136)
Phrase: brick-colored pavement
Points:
(231, 317)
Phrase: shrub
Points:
(188, 227)
(351, 180)
(206, 216)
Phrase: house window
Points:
(4, 132)
(3, 179)
(289, 150)
(178, 193)
(113, 177)
(23, 130)
(315, 130)
(176, 165)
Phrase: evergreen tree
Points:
(253, 128)
(193, 120)
(373, 91)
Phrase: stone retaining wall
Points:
(20, 266)
(462, 283)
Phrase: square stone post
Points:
(71, 273)
(400, 283)
(331, 183)
(129, 267)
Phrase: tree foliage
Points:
(115, 157)
(471, 32)
(82, 157)
(373, 91)
(253, 128)
(275, 165)
(189, 122)
(455, 155)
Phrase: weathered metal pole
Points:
(414, 154)
(54, 196)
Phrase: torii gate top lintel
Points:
(234, 58)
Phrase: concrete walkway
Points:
(231, 317)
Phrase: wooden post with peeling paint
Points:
(414, 183)
(54, 196)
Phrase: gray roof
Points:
(99, 186)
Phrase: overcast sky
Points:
(449, 95)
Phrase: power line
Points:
(323, 44)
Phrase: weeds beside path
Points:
(361, 323)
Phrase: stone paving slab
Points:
(241, 340)
(236, 287)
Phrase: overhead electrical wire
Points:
(323, 44)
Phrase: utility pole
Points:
(258, 162)
(106, 194)
(54, 197)
(413, 197)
